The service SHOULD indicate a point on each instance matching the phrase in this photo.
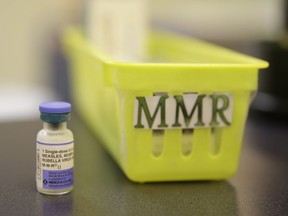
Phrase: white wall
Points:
(27, 29)
(28, 32)
(222, 19)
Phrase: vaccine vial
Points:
(54, 150)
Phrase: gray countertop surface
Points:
(260, 186)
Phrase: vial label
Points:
(54, 165)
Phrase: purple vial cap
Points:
(55, 107)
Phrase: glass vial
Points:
(54, 150)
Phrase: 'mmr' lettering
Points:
(142, 105)
(190, 110)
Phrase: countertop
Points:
(259, 187)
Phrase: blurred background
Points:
(29, 38)
(33, 69)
